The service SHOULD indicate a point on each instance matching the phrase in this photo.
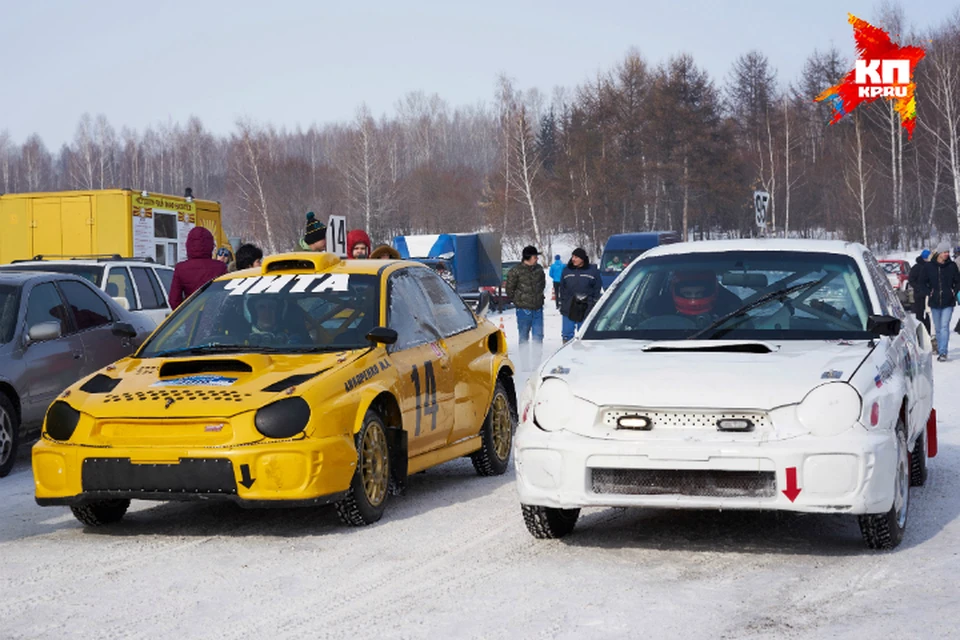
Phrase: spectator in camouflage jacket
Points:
(525, 285)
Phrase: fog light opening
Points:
(735, 424)
(634, 422)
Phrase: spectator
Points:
(198, 269)
(525, 285)
(385, 252)
(941, 281)
(556, 274)
(248, 256)
(225, 256)
(315, 237)
(580, 289)
(919, 295)
(358, 244)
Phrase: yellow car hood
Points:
(206, 386)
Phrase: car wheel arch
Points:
(14, 398)
(505, 375)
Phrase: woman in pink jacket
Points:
(198, 269)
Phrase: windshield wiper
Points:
(779, 294)
(201, 349)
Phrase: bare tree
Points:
(525, 179)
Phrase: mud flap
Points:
(932, 434)
(398, 460)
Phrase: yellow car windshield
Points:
(286, 313)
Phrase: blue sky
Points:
(290, 62)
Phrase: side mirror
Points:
(382, 335)
(884, 325)
(124, 330)
(43, 331)
(483, 303)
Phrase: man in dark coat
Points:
(580, 288)
(198, 269)
(919, 295)
(941, 281)
(525, 285)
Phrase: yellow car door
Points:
(423, 366)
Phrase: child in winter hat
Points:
(315, 238)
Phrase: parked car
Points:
(54, 330)
(138, 285)
(749, 374)
(313, 381)
(498, 295)
(623, 248)
(898, 273)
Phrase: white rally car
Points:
(750, 374)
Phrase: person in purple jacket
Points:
(198, 269)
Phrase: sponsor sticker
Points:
(196, 381)
(560, 371)
(833, 374)
(256, 285)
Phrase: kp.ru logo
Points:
(883, 69)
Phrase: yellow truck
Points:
(107, 222)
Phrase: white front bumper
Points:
(849, 473)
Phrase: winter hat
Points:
(355, 237)
(556, 257)
(385, 252)
(529, 251)
(580, 253)
(925, 254)
(943, 247)
(316, 230)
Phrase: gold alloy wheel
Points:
(502, 426)
(373, 463)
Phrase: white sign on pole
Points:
(337, 235)
(760, 201)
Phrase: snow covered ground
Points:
(452, 559)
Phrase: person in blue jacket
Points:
(580, 288)
(556, 274)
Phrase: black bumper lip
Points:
(165, 496)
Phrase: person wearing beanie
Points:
(198, 269)
(919, 295)
(580, 289)
(315, 237)
(358, 244)
(940, 280)
(556, 274)
(385, 252)
(525, 285)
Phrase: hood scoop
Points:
(188, 367)
(709, 347)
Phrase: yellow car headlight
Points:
(283, 418)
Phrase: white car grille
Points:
(683, 418)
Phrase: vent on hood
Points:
(190, 393)
(186, 367)
(100, 384)
(746, 347)
(292, 381)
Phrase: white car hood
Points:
(624, 372)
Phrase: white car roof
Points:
(840, 247)
(103, 263)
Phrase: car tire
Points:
(548, 522)
(496, 435)
(367, 497)
(885, 530)
(9, 435)
(918, 462)
(101, 512)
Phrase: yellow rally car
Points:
(308, 381)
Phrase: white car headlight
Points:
(830, 409)
(553, 406)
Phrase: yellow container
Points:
(103, 223)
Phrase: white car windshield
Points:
(275, 314)
(737, 295)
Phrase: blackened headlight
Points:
(62, 420)
(283, 418)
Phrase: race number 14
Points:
(427, 401)
(337, 235)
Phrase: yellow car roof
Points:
(313, 262)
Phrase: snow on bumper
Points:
(848, 473)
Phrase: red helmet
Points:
(694, 292)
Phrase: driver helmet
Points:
(694, 292)
(264, 312)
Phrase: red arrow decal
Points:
(792, 490)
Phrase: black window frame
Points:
(99, 294)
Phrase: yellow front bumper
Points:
(287, 473)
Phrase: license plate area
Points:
(188, 476)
